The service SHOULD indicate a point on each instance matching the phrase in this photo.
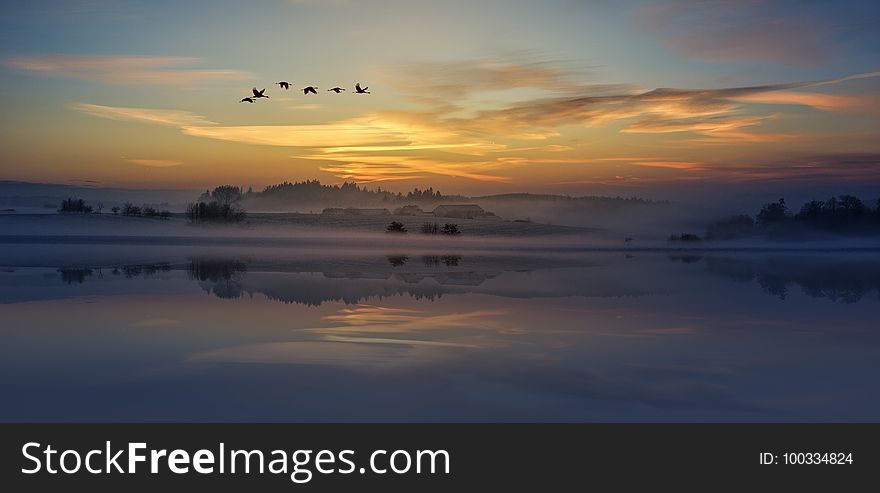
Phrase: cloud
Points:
(858, 168)
(395, 145)
(366, 149)
(125, 69)
(174, 118)
(369, 166)
(557, 148)
(342, 133)
(661, 110)
(441, 81)
(155, 163)
(679, 165)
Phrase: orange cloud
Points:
(814, 100)
(155, 163)
(682, 165)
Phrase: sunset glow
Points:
(487, 97)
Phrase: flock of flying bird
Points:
(306, 90)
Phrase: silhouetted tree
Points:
(74, 206)
(214, 212)
(129, 209)
(226, 194)
(840, 214)
(773, 213)
(811, 211)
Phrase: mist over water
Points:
(408, 332)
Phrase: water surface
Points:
(197, 333)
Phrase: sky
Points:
(492, 96)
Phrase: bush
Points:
(430, 228)
(214, 212)
(395, 227)
(450, 229)
(75, 206)
(129, 209)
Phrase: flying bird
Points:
(337, 90)
(310, 89)
(361, 90)
(259, 94)
(248, 100)
(284, 85)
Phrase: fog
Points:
(514, 220)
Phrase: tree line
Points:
(842, 214)
(73, 205)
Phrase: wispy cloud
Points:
(358, 149)
(663, 110)
(125, 69)
(155, 163)
(441, 139)
(175, 118)
(441, 82)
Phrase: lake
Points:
(140, 332)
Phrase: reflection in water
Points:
(138, 270)
(397, 260)
(818, 277)
(590, 337)
(228, 279)
(838, 280)
(220, 277)
(436, 260)
(78, 276)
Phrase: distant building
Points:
(464, 211)
(354, 211)
(409, 210)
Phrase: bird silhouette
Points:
(259, 94)
(284, 85)
(247, 100)
(337, 90)
(361, 90)
(310, 89)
